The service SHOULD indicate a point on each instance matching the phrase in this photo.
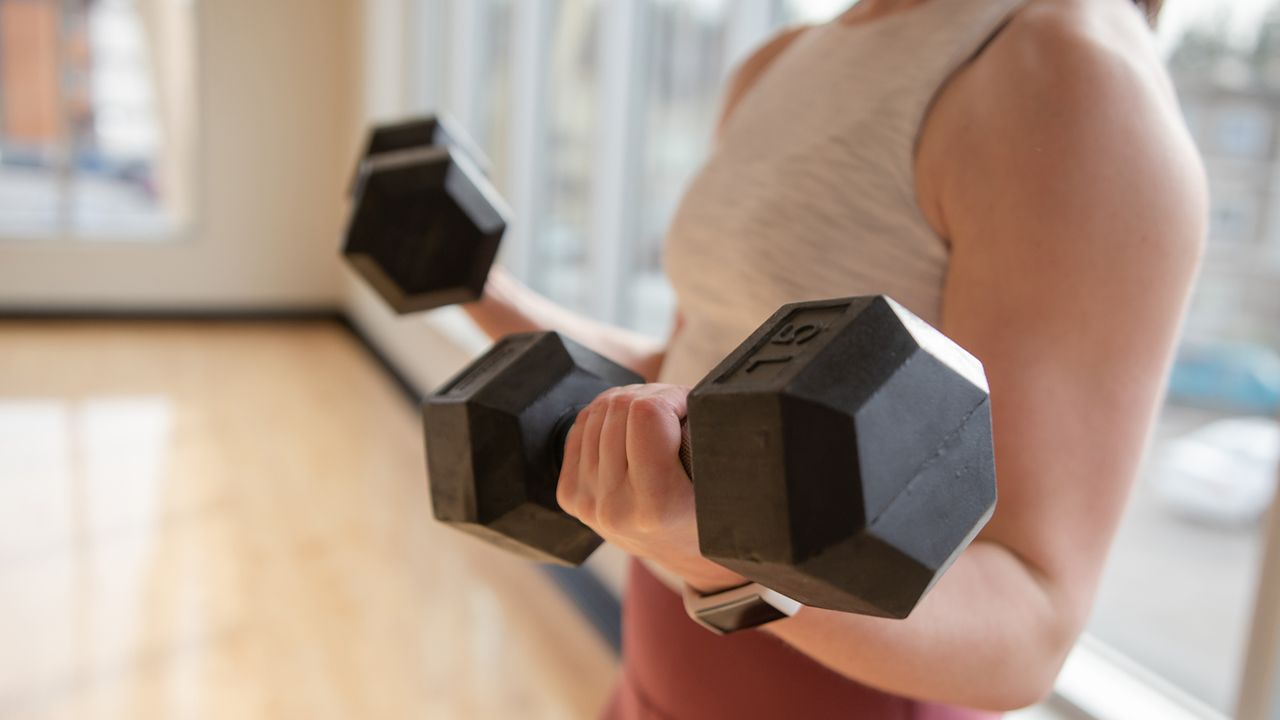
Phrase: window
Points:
(95, 98)
(596, 115)
(684, 69)
(561, 268)
(1234, 216)
(1242, 131)
(813, 11)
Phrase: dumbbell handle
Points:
(561, 436)
(686, 449)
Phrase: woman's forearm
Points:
(508, 306)
(989, 635)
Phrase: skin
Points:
(1057, 167)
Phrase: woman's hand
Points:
(622, 478)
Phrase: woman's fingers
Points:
(653, 427)
(621, 470)
(612, 469)
(589, 459)
(568, 484)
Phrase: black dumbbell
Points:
(841, 455)
(425, 223)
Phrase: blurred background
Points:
(211, 485)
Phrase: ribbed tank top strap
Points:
(957, 30)
(921, 49)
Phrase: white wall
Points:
(278, 124)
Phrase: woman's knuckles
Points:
(645, 503)
(613, 405)
(584, 509)
(566, 494)
(625, 518)
(608, 519)
(650, 412)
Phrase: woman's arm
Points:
(508, 306)
(1076, 209)
(1075, 206)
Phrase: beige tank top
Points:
(810, 192)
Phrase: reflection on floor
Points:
(230, 521)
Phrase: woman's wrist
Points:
(706, 576)
(504, 306)
(508, 306)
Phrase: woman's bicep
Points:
(1074, 245)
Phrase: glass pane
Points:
(80, 117)
(685, 71)
(1178, 591)
(109, 85)
(813, 11)
(495, 98)
(560, 269)
(489, 116)
(427, 53)
(31, 177)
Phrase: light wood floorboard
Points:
(230, 520)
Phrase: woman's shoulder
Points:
(1081, 41)
(1069, 86)
(1082, 73)
(1075, 69)
(1082, 59)
(744, 76)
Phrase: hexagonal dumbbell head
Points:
(417, 133)
(842, 455)
(426, 222)
(495, 434)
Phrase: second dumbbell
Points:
(425, 222)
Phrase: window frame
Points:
(1260, 685)
(1099, 683)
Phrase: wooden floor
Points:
(230, 521)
